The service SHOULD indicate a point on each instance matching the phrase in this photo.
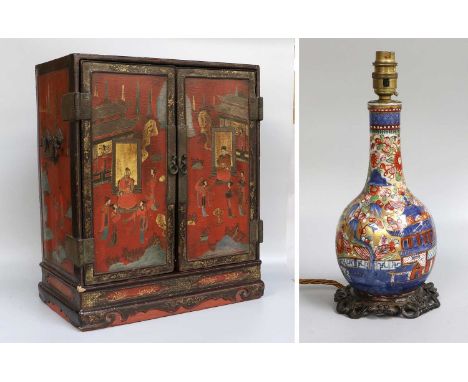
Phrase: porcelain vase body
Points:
(386, 239)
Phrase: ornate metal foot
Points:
(357, 304)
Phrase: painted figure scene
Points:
(218, 211)
(386, 242)
(129, 126)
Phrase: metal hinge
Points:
(81, 251)
(76, 106)
(259, 231)
(256, 109)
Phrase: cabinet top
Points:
(76, 58)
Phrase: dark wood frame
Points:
(183, 291)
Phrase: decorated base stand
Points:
(356, 304)
(104, 306)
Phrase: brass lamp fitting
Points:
(385, 75)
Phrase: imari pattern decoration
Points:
(149, 187)
(386, 241)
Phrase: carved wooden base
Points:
(356, 304)
(127, 313)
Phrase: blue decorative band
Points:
(385, 119)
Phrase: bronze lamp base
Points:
(356, 304)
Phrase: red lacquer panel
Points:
(54, 166)
(129, 128)
(218, 167)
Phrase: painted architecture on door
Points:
(218, 202)
(386, 241)
(129, 162)
(54, 167)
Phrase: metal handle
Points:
(173, 167)
(183, 164)
(52, 144)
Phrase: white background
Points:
(25, 317)
(210, 18)
(336, 84)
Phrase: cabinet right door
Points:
(218, 167)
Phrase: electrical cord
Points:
(334, 283)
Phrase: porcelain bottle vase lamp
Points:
(386, 239)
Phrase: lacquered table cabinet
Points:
(149, 187)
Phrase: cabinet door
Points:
(128, 192)
(217, 149)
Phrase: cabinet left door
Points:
(128, 189)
